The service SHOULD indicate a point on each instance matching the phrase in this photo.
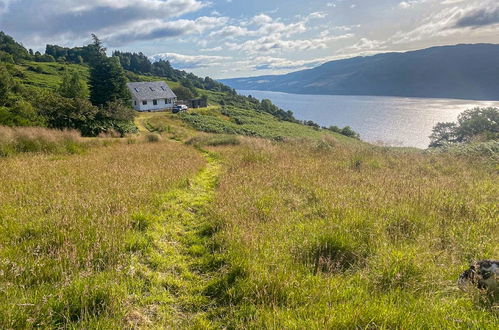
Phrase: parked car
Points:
(180, 107)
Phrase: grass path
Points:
(181, 262)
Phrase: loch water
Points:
(395, 121)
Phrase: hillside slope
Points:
(461, 71)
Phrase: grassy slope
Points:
(308, 233)
(323, 235)
(232, 120)
(49, 75)
(71, 226)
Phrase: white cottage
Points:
(151, 96)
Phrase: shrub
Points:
(21, 113)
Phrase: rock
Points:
(482, 274)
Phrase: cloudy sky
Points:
(234, 38)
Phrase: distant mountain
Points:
(460, 71)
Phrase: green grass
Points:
(237, 121)
(275, 225)
(47, 75)
(482, 150)
(179, 259)
(70, 230)
(352, 237)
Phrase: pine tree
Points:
(108, 82)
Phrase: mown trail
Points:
(182, 262)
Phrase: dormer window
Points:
(152, 89)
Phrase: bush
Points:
(346, 131)
(21, 114)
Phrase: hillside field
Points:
(177, 228)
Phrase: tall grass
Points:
(323, 235)
(15, 140)
(70, 228)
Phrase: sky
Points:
(239, 38)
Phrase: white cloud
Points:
(72, 20)
(191, 61)
(451, 21)
(157, 29)
(411, 3)
(365, 45)
(261, 19)
(275, 44)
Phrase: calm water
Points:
(396, 121)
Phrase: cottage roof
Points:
(151, 90)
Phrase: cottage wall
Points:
(162, 105)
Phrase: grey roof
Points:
(151, 90)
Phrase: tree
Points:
(473, 124)
(10, 46)
(6, 84)
(478, 123)
(183, 93)
(442, 134)
(72, 86)
(108, 82)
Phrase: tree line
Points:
(477, 124)
(103, 107)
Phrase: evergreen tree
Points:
(72, 86)
(108, 82)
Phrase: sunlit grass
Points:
(68, 230)
(16, 140)
(323, 235)
(315, 231)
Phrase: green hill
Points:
(459, 71)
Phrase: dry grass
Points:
(15, 140)
(321, 235)
(68, 230)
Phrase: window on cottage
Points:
(155, 102)
(135, 102)
(144, 102)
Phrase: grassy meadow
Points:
(70, 230)
(228, 217)
(323, 235)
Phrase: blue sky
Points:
(234, 38)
